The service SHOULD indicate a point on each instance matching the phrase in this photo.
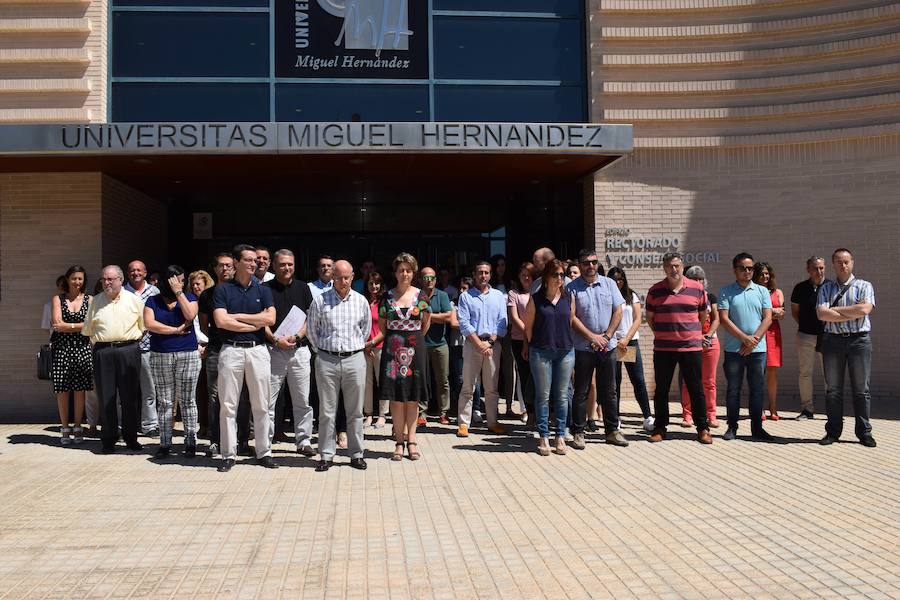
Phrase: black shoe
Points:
(154, 433)
(226, 465)
(244, 449)
(323, 465)
(805, 415)
(134, 445)
(267, 462)
(162, 452)
(761, 435)
(358, 463)
(591, 426)
(730, 434)
(190, 451)
(827, 440)
(306, 450)
(867, 441)
(107, 449)
(212, 450)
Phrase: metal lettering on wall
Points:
(636, 252)
(381, 39)
(288, 138)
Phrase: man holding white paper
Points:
(289, 351)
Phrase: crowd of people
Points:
(232, 352)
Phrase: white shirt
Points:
(628, 316)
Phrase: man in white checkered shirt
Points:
(844, 305)
(338, 328)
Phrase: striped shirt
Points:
(339, 324)
(859, 291)
(676, 325)
(148, 292)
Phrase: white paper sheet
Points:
(292, 323)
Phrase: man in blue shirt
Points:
(482, 321)
(844, 305)
(598, 314)
(242, 309)
(745, 313)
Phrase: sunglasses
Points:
(559, 275)
(743, 268)
(593, 263)
(428, 278)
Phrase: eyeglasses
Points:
(743, 268)
(593, 263)
(428, 278)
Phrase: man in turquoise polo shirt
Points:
(745, 311)
(436, 344)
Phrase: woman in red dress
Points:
(764, 275)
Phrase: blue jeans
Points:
(851, 354)
(755, 366)
(551, 369)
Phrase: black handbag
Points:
(44, 361)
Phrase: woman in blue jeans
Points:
(551, 352)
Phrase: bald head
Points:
(137, 273)
(343, 277)
(540, 258)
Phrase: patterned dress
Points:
(72, 363)
(403, 367)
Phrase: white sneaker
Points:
(568, 437)
(649, 423)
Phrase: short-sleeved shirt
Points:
(173, 317)
(745, 307)
(806, 295)
(121, 320)
(437, 332)
(594, 305)
(205, 306)
(628, 315)
(285, 297)
(676, 324)
(518, 301)
(858, 292)
(250, 300)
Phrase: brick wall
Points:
(781, 204)
(48, 221)
(135, 226)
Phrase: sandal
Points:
(65, 440)
(78, 435)
(413, 455)
(398, 455)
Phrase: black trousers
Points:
(117, 375)
(603, 364)
(524, 371)
(691, 365)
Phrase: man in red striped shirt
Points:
(676, 311)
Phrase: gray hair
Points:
(670, 256)
(117, 269)
(695, 272)
(283, 252)
(813, 259)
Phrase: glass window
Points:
(214, 3)
(568, 8)
(336, 102)
(508, 48)
(535, 104)
(132, 102)
(179, 44)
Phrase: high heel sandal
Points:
(413, 455)
(398, 455)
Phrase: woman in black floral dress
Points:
(403, 318)
(72, 370)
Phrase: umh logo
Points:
(371, 24)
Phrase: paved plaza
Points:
(484, 517)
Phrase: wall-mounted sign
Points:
(314, 138)
(203, 227)
(371, 39)
(627, 251)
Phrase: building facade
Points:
(768, 126)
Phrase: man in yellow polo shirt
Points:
(115, 324)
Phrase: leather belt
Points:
(99, 345)
(341, 354)
(246, 344)
(848, 334)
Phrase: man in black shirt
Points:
(223, 267)
(290, 354)
(803, 309)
